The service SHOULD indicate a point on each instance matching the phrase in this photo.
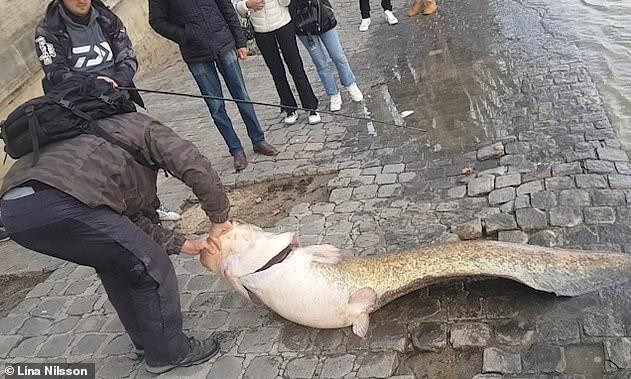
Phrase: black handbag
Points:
(307, 17)
(248, 28)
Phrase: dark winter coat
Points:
(54, 47)
(324, 10)
(203, 29)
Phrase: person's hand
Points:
(109, 80)
(255, 5)
(242, 53)
(211, 258)
(197, 246)
(216, 231)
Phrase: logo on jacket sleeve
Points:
(47, 50)
(103, 53)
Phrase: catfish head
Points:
(245, 249)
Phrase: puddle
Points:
(14, 287)
(262, 204)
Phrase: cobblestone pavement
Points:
(517, 148)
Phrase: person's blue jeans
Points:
(329, 41)
(207, 79)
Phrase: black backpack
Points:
(66, 111)
(307, 17)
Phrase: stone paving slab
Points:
(518, 148)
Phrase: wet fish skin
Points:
(315, 287)
(562, 272)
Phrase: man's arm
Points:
(125, 61)
(188, 164)
(159, 21)
(230, 15)
(52, 57)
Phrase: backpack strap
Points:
(33, 127)
(94, 129)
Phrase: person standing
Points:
(84, 37)
(275, 34)
(364, 8)
(316, 28)
(211, 41)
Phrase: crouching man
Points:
(83, 202)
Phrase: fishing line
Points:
(273, 105)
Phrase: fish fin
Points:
(360, 325)
(327, 254)
(362, 299)
(255, 299)
(364, 296)
(295, 242)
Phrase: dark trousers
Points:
(364, 7)
(271, 45)
(136, 272)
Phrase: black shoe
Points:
(199, 352)
(4, 236)
(140, 353)
(240, 161)
(265, 148)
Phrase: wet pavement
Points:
(603, 35)
(517, 147)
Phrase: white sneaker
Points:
(356, 94)
(314, 118)
(336, 102)
(291, 118)
(390, 17)
(167, 215)
(364, 25)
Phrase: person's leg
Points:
(271, 55)
(313, 44)
(387, 8)
(118, 293)
(55, 224)
(331, 41)
(364, 8)
(229, 68)
(286, 37)
(205, 74)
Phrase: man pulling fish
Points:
(83, 202)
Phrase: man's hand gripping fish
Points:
(316, 287)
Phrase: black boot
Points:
(199, 352)
(4, 236)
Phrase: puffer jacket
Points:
(204, 29)
(273, 16)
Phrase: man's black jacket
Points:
(53, 45)
(203, 29)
